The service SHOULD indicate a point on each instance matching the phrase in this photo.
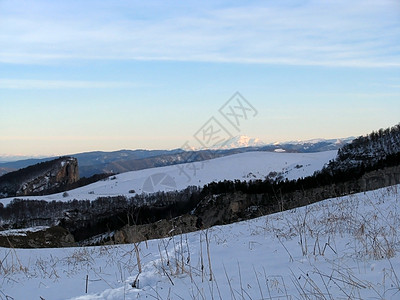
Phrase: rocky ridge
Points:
(37, 179)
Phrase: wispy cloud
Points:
(330, 33)
(60, 84)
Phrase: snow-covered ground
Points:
(344, 248)
(23, 231)
(243, 166)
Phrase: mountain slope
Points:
(242, 166)
(367, 150)
(40, 177)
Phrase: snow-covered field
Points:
(344, 248)
(243, 166)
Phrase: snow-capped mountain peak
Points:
(239, 141)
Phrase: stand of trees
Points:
(85, 218)
(366, 151)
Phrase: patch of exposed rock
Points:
(156, 230)
(53, 237)
(39, 178)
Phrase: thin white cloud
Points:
(59, 84)
(329, 33)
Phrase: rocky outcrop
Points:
(53, 237)
(160, 229)
(39, 178)
(63, 172)
(379, 178)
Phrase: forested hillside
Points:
(366, 151)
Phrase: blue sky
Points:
(106, 75)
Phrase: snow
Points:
(318, 140)
(243, 166)
(22, 232)
(342, 248)
(240, 141)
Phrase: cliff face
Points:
(68, 173)
(39, 178)
(61, 173)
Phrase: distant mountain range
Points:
(240, 141)
(96, 162)
(314, 145)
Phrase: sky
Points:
(81, 76)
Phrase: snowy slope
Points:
(344, 248)
(243, 166)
